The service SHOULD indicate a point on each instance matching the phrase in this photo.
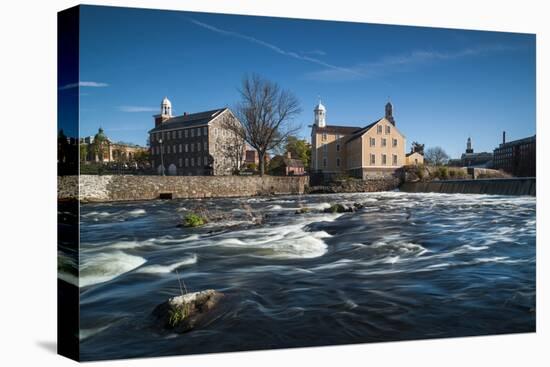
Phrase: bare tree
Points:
(234, 145)
(266, 113)
(436, 156)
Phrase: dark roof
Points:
(338, 129)
(530, 139)
(189, 120)
(360, 132)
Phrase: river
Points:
(406, 266)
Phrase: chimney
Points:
(504, 137)
(288, 155)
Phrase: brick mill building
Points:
(191, 144)
(374, 150)
(517, 157)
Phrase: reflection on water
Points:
(406, 266)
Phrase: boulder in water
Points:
(186, 312)
(339, 208)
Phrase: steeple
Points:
(469, 149)
(166, 107)
(319, 113)
(389, 113)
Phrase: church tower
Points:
(319, 114)
(165, 112)
(389, 113)
(469, 149)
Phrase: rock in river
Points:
(184, 313)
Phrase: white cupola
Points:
(166, 107)
(319, 114)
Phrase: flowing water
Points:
(406, 266)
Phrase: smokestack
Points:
(503, 137)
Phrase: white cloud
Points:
(84, 84)
(274, 48)
(400, 63)
(137, 109)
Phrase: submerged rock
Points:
(184, 313)
(339, 208)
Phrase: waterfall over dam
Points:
(497, 186)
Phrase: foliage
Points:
(300, 149)
(266, 112)
(420, 171)
(142, 156)
(417, 147)
(276, 166)
(193, 220)
(251, 167)
(83, 152)
(436, 156)
(178, 314)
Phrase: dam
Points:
(493, 186)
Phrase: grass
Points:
(193, 220)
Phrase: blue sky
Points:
(444, 84)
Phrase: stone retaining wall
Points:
(95, 188)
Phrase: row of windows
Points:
(181, 148)
(383, 160)
(383, 142)
(192, 162)
(379, 129)
(165, 135)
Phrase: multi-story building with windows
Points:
(361, 152)
(191, 144)
(517, 157)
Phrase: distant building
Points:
(360, 152)
(292, 166)
(517, 157)
(414, 158)
(109, 151)
(192, 144)
(471, 159)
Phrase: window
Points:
(186, 162)
(325, 149)
(199, 146)
(384, 159)
(179, 134)
(186, 147)
(174, 134)
(324, 136)
(205, 145)
(394, 159)
(337, 162)
(324, 162)
(168, 149)
(383, 142)
(372, 159)
(192, 147)
(388, 129)
(337, 147)
(192, 133)
(185, 132)
(394, 142)
(379, 129)
(180, 151)
(372, 142)
(192, 162)
(199, 160)
(199, 131)
(205, 131)
(174, 149)
(180, 162)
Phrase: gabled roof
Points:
(337, 129)
(411, 153)
(360, 132)
(291, 162)
(189, 120)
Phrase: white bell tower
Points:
(166, 107)
(319, 114)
